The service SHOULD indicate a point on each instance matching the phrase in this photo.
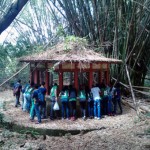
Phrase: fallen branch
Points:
(14, 74)
(131, 88)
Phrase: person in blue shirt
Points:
(36, 105)
(42, 101)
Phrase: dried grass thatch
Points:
(70, 51)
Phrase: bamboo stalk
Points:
(131, 88)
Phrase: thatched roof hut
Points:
(70, 52)
(75, 57)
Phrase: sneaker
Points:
(95, 117)
(84, 118)
(43, 117)
(73, 118)
(37, 122)
(62, 118)
(31, 120)
(98, 118)
(51, 118)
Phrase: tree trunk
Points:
(11, 14)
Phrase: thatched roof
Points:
(69, 52)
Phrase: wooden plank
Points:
(90, 77)
(47, 80)
(76, 77)
(60, 77)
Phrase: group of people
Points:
(96, 102)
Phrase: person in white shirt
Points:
(95, 90)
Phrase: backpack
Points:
(40, 96)
(16, 89)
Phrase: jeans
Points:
(37, 111)
(22, 100)
(97, 109)
(43, 109)
(28, 97)
(32, 110)
(109, 104)
(51, 110)
(73, 108)
(117, 100)
(83, 108)
(90, 108)
(65, 109)
(27, 102)
(17, 100)
(105, 105)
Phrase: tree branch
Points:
(11, 14)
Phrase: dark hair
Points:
(65, 88)
(32, 83)
(19, 80)
(117, 85)
(55, 84)
(82, 87)
(36, 86)
(43, 83)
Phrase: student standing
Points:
(95, 90)
(111, 91)
(27, 85)
(27, 97)
(17, 91)
(53, 98)
(82, 99)
(90, 104)
(41, 95)
(72, 101)
(104, 95)
(36, 105)
(64, 97)
(117, 98)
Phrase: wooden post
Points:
(76, 77)
(47, 79)
(108, 73)
(31, 75)
(90, 76)
(60, 77)
(36, 75)
(100, 74)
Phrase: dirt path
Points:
(113, 133)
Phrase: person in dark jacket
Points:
(72, 101)
(17, 91)
(117, 98)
